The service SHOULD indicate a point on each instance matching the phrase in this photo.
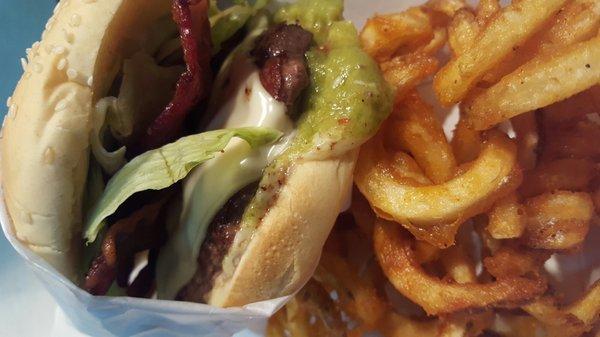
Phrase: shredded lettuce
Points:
(109, 161)
(225, 23)
(161, 168)
(145, 90)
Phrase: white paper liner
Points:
(126, 316)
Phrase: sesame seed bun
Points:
(45, 139)
(45, 151)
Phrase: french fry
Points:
(406, 71)
(383, 35)
(462, 32)
(466, 324)
(422, 135)
(571, 140)
(512, 26)
(526, 129)
(393, 249)
(466, 143)
(570, 321)
(596, 199)
(558, 220)
(510, 261)
(395, 325)
(448, 7)
(542, 81)
(512, 325)
(578, 21)
(486, 9)
(573, 108)
(310, 313)
(507, 218)
(433, 213)
(458, 264)
(561, 174)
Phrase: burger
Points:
(178, 149)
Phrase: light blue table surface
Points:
(25, 309)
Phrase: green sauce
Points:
(347, 100)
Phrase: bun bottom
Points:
(284, 251)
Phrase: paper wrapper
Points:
(123, 316)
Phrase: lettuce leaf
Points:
(225, 23)
(109, 161)
(161, 168)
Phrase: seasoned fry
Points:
(573, 108)
(511, 325)
(398, 262)
(561, 174)
(383, 35)
(466, 324)
(486, 9)
(395, 325)
(433, 213)
(310, 313)
(572, 141)
(526, 129)
(512, 26)
(578, 21)
(466, 143)
(462, 32)
(458, 264)
(510, 261)
(507, 218)
(569, 321)
(448, 7)
(405, 72)
(558, 220)
(422, 135)
(540, 82)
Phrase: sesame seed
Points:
(48, 48)
(90, 81)
(58, 50)
(62, 64)
(24, 64)
(12, 111)
(71, 73)
(8, 100)
(49, 156)
(69, 37)
(37, 67)
(75, 20)
(27, 52)
(61, 105)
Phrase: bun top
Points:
(45, 138)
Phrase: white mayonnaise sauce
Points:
(209, 186)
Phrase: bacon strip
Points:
(142, 230)
(194, 83)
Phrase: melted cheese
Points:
(208, 187)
